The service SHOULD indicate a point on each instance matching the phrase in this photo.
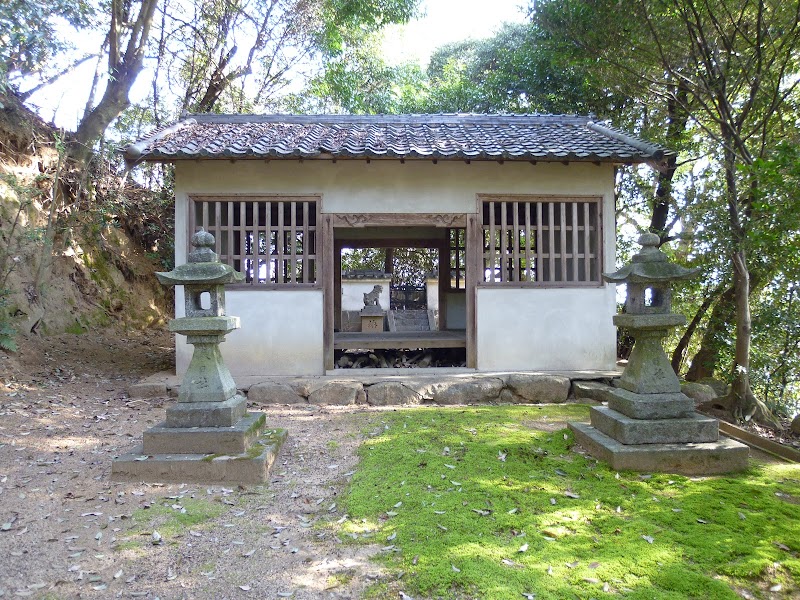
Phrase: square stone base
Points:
(695, 428)
(251, 467)
(649, 406)
(204, 440)
(703, 458)
(207, 414)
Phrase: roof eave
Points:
(165, 158)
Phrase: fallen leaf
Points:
(455, 569)
(783, 547)
(245, 588)
(510, 563)
(572, 565)
(523, 548)
(648, 539)
(571, 495)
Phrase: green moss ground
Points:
(490, 502)
(169, 522)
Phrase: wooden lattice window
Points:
(542, 240)
(458, 258)
(271, 240)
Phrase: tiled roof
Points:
(446, 137)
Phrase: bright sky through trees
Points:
(442, 22)
(446, 21)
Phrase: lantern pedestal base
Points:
(249, 467)
(699, 458)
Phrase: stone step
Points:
(251, 467)
(696, 428)
(204, 440)
(409, 320)
(706, 458)
(648, 406)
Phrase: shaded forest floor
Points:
(66, 530)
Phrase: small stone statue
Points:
(373, 298)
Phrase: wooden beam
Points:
(398, 220)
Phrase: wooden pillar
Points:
(474, 250)
(328, 287)
(337, 285)
(444, 282)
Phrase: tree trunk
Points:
(123, 71)
(706, 360)
(680, 350)
(676, 127)
(741, 400)
(388, 261)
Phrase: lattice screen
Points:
(542, 241)
(271, 240)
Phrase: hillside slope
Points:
(71, 256)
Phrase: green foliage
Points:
(410, 266)
(347, 22)
(8, 332)
(28, 33)
(513, 71)
(358, 81)
(490, 503)
(17, 199)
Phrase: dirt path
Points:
(67, 531)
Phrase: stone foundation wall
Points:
(511, 388)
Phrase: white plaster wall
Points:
(546, 329)
(432, 293)
(388, 186)
(293, 320)
(353, 291)
(281, 333)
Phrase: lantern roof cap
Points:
(204, 266)
(650, 265)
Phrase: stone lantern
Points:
(207, 379)
(208, 436)
(648, 317)
(648, 424)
